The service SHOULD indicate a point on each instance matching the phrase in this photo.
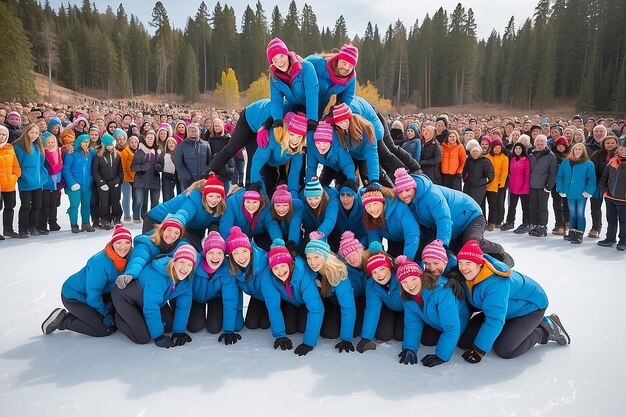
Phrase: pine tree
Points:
(340, 34)
(276, 27)
(311, 38)
(619, 92)
(16, 59)
(190, 88)
(227, 91)
(291, 28)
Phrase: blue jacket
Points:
(207, 287)
(188, 208)
(375, 296)
(352, 221)
(367, 152)
(441, 208)
(94, 280)
(234, 217)
(77, 169)
(145, 251)
(260, 286)
(302, 90)
(325, 223)
(274, 156)
(414, 147)
(33, 170)
(358, 279)
(400, 226)
(294, 230)
(158, 289)
(191, 159)
(327, 87)
(575, 178)
(442, 311)
(502, 294)
(303, 292)
(337, 158)
(364, 109)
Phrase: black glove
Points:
(408, 356)
(302, 350)
(457, 288)
(473, 355)
(180, 339)
(311, 124)
(268, 123)
(164, 341)
(284, 343)
(229, 338)
(345, 345)
(292, 248)
(351, 184)
(365, 344)
(432, 360)
(278, 123)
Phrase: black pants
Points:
(94, 204)
(7, 198)
(129, 317)
(359, 303)
(242, 137)
(50, 200)
(212, 318)
(29, 209)
(615, 215)
(331, 323)
(390, 325)
(110, 207)
(516, 338)
(539, 207)
(596, 213)
(83, 319)
(402, 157)
(560, 209)
(513, 199)
(496, 205)
(257, 315)
(475, 230)
(478, 194)
(451, 181)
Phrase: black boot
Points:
(11, 233)
(54, 226)
(33, 231)
(542, 231)
(507, 226)
(533, 230)
(578, 237)
(75, 228)
(607, 243)
(569, 235)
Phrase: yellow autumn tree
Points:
(370, 93)
(227, 90)
(259, 89)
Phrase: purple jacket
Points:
(519, 175)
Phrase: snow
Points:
(67, 374)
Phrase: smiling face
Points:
(610, 143)
(122, 247)
(171, 235)
(281, 209)
(347, 200)
(281, 62)
(381, 275)
(344, 68)
(407, 196)
(133, 143)
(469, 269)
(241, 256)
(355, 258)
(294, 140)
(497, 149)
(281, 271)
(315, 261)
(452, 138)
(410, 133)
(578, 152)
(213, 199)
(375, 209)
(33, 133)
(314, 202)
(183, 268)
(214, 258)
(344, 124)
(252, 206)
(435, 266)
(412, 285)
(50, 145)
(322, 147)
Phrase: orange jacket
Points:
(127, 159)
(10, 169)
(500, 164)
(452, 158)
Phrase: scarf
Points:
(251, 218)
(118, 261)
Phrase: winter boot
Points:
(53, 321)
(578, 237)
(96, 223)
(621, 246)
(490, 227)
(116, 221)
(507, 226)
(522, 229)
(127, 218)
(570, 235)
(106, 225)
(11, 233)
(86, 227)
(33, 231)
(541, 231)
(533, 230)
(594, 233)
(504, 257)
(54, 226)
(566, 229)
(558, 230)
(556, 333)
(1, 237)
(75, 228)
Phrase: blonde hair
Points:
(157, 236)
(171, 271)
(333, 271)
(284, 143)
(583, 157)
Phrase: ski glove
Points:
(345, 345)
(180, 339)
(284, 343)
(432, 360)
(311, 125)
(365, 344)
(123, 280)
(302, 350)
(408, 356)
(473, 355)
(164, 341)
(262, 138)
(229, 338)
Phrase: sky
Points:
(489, 14)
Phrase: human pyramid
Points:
(306, 243)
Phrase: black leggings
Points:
(29, 209)
(8, 199)
(518, 334)
(109, 202)
(496, 205)
(84, 319)
(50, 200)
(513, 199)
(390, 325)
(257, 315)
(211, 319)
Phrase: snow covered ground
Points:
(67, 374)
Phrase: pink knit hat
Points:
(341, 112)
(471, 251)
(119, 233)
(282, 195)
(278, 254)
(187, 252)
(348, 244)
(404, 181)
(435, 250)
(237, 239)
(213, 241)
(407, 268)
(372, 196)
(323, 133)
(274, 47)
(349, 53)
(377, 260)
(252, 195)
(298, 124)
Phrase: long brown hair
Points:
(234, 268)
(370, 222)
(321, 209)
(358, 126)
(25, 142)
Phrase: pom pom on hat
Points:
(404, 181)
(435, 250)
(317, 244)
(407, 268)
(282, 195)
(278, 254)
(274, 47)
(375, 246)
(471, 251)
(348, 244)
(237, 239)
(213, 241)
(119, 233)
(187, 252)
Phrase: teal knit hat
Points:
(107, 140)
(317, 245)
(81, 138)
(313, 189)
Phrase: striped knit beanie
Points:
(349, 53)
(323, 133)
(282, 195)
(298, 125)
(348, 244)
(471, 252)
(278, 254)
(341, 112)
(313, 189)
(407, 268)
(187, 252)
(317, 245)
(372, 196)
(213, 185)
(213, 241)
(435, 250)
(237, 239)
(377, 259)
(404, 181)
(119, 233)
(274, 47)
(172, 221)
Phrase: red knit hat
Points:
(278, 254)
(407, 268)
(298, 124)
(372, 196)
(435, 250)
(172, 222)
(119, 233)
(187, 252)
(471, 252)
(282, 195)
(213, 185)
(562, 140)
(237, 239)
(213, 241)
(341, 112)
(377, 260)
(349, 53)
(274, 47)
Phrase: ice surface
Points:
(66, 374)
